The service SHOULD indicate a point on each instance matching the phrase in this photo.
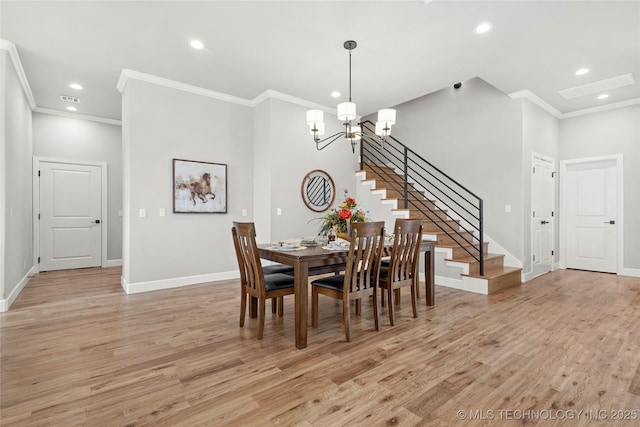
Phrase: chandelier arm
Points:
(321, 144)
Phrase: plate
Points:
(286, 248)
(310, 243)
(336, 248)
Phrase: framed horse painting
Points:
(199, 187)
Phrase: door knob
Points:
(544, 222)
(97, 221)
(612, 222)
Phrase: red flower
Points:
(344, 214)
(351, 201)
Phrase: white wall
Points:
(161, 124)
(75, 139)
(16, 234)
(606, 133)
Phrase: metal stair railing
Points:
(410, 171)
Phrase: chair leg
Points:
(359, 306)
(314, 307)
(376, 317)
(414, 299)
(274, 304)
(345, 319)
(382, 296)
(389, 294)
(280, 306)
(396, 293)
(243, 306)
(261, 315)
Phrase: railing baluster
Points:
(406, 180)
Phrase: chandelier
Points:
(347, 112)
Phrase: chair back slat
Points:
(363, 263)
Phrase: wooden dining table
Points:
(317, 260)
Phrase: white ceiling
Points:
(405, 48)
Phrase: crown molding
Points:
(127, 74)
(274, 94)
(77, 116)
(527, 94)
(601, 108)
(17, 64)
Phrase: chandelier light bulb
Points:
(346, 111)
(315, 116)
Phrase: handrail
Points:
(411, 171)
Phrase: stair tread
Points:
(470, 259)
(495, 272)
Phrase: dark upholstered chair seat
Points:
(278, 268)
(331, 282)
(277, 281)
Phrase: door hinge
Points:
(38, 217)
(534, 257)
(38, 173)
(552, 253)
(38, 260)
(551, 213)
(553, 174)
(534, 214)
(534, 170)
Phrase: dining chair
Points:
(361, 275)
(402, 269)
(253, 280)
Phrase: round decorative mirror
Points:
(318, 190)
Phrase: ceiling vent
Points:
(598, 87)
(68, 98)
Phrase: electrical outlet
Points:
(244, 212)
(507, 208)
(162, 212)
(143, 213)
(279, 211)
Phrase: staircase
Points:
(410, 187)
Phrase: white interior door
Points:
(70, 216)
(543, 218)
(591, 204)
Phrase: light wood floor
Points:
(75, 350)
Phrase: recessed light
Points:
(582, 71)
(603, 96)
(196, 44)
(75, 86)
(483, 28)
(335, 94)
(70, 108)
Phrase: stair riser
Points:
(446, 239)
(458, 252)
(506, 281)
(488, 264)
(449, 226)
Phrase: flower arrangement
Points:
(346, 213)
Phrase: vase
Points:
(346, 235)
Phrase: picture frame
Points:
(199, 187)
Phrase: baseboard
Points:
(631, 272)
(156, 285)
(5, 304)
(114, 263)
